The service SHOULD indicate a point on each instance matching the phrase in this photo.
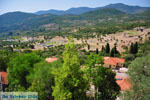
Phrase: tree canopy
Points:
(69, 81)
(139, 72)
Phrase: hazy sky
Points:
(35, 5)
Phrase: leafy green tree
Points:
(102, 78)
(3, 62)
(139, 72)
(107, 48)
(69, 81)
(19, 68)
(42, 80)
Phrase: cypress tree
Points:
(115, 50)
(112, 52)
(135, 48)
(132, 48)
(96, 50)
(107, 48)
(88, 47)
(103, 48)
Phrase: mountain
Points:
(26, 21)
(103, 13)
(145, 13)
(81, 10)
(127, 8)
(75, 11)
(11, 18)
(83, 16)
(52, 11)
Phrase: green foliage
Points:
(107, 48)
(69, 81)
(31, 46)
(134, 48)
(96, 50)
(3, 62)
(102, 78)
(42, 80)
(103, 48)
(19, 68)
(139, 72)
(131, 48)
(114, 52)
(54, 51)
(143, 49)
(88, 47)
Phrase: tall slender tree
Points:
(107, 48)
(103, 48)
(135, 48)
(96, 50)
(88, 47)
(112, 52)
(132, 48)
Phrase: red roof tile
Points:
(51, 59)
(4, 77)
(113, 60)
(123, 82)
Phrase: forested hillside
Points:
(19, 22)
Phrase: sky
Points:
(36, 5)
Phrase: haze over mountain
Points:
(81, 10)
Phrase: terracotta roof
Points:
(123, 82)
(4, 77)
(51, 59)
(113, 60)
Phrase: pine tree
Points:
(107, 48)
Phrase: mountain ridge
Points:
(80, 10)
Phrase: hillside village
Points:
(122, 39)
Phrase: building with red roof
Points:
(51, 59)
(4, 78)
(113, 62)
(3, 81)
(123, 82)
